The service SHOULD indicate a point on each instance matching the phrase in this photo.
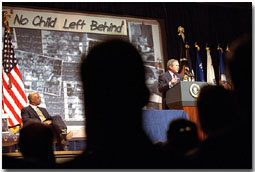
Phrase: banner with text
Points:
(67, 22)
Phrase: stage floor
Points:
(61, 156)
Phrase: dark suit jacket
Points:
(28, 113)
(163, 85)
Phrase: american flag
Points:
(14, 98)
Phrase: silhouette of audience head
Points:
(113, 71)
(113, 76)
(217, 108)
(36, 144)
(182, 134)
(239, 63)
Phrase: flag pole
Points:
(182, 54)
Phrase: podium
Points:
(183, 97)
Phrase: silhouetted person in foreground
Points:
(113, 78)
(36, 144)
(182, 136)
(239, 62)
(218, 115)
(217, 109)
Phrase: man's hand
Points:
(48, 122)
(174, 81)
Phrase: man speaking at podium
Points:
(169, 79)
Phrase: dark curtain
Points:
(204, 23)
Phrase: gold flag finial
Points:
(227, 49)
(207, 47)
(219, 48)
(180, 29)
(6, 20)
(198, 48)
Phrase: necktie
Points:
(174, 75)
(40, 114)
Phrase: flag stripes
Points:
(17, 83)
(14, 99)
(12, 93)
(10, 107)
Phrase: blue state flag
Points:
(199, 66)
(222, 78)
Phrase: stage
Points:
(155, 124)
(61, 156)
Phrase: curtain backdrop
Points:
(204, 23)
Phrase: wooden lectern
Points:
(183, 96)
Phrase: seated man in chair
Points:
(34, 112)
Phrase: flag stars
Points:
(9, 61)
